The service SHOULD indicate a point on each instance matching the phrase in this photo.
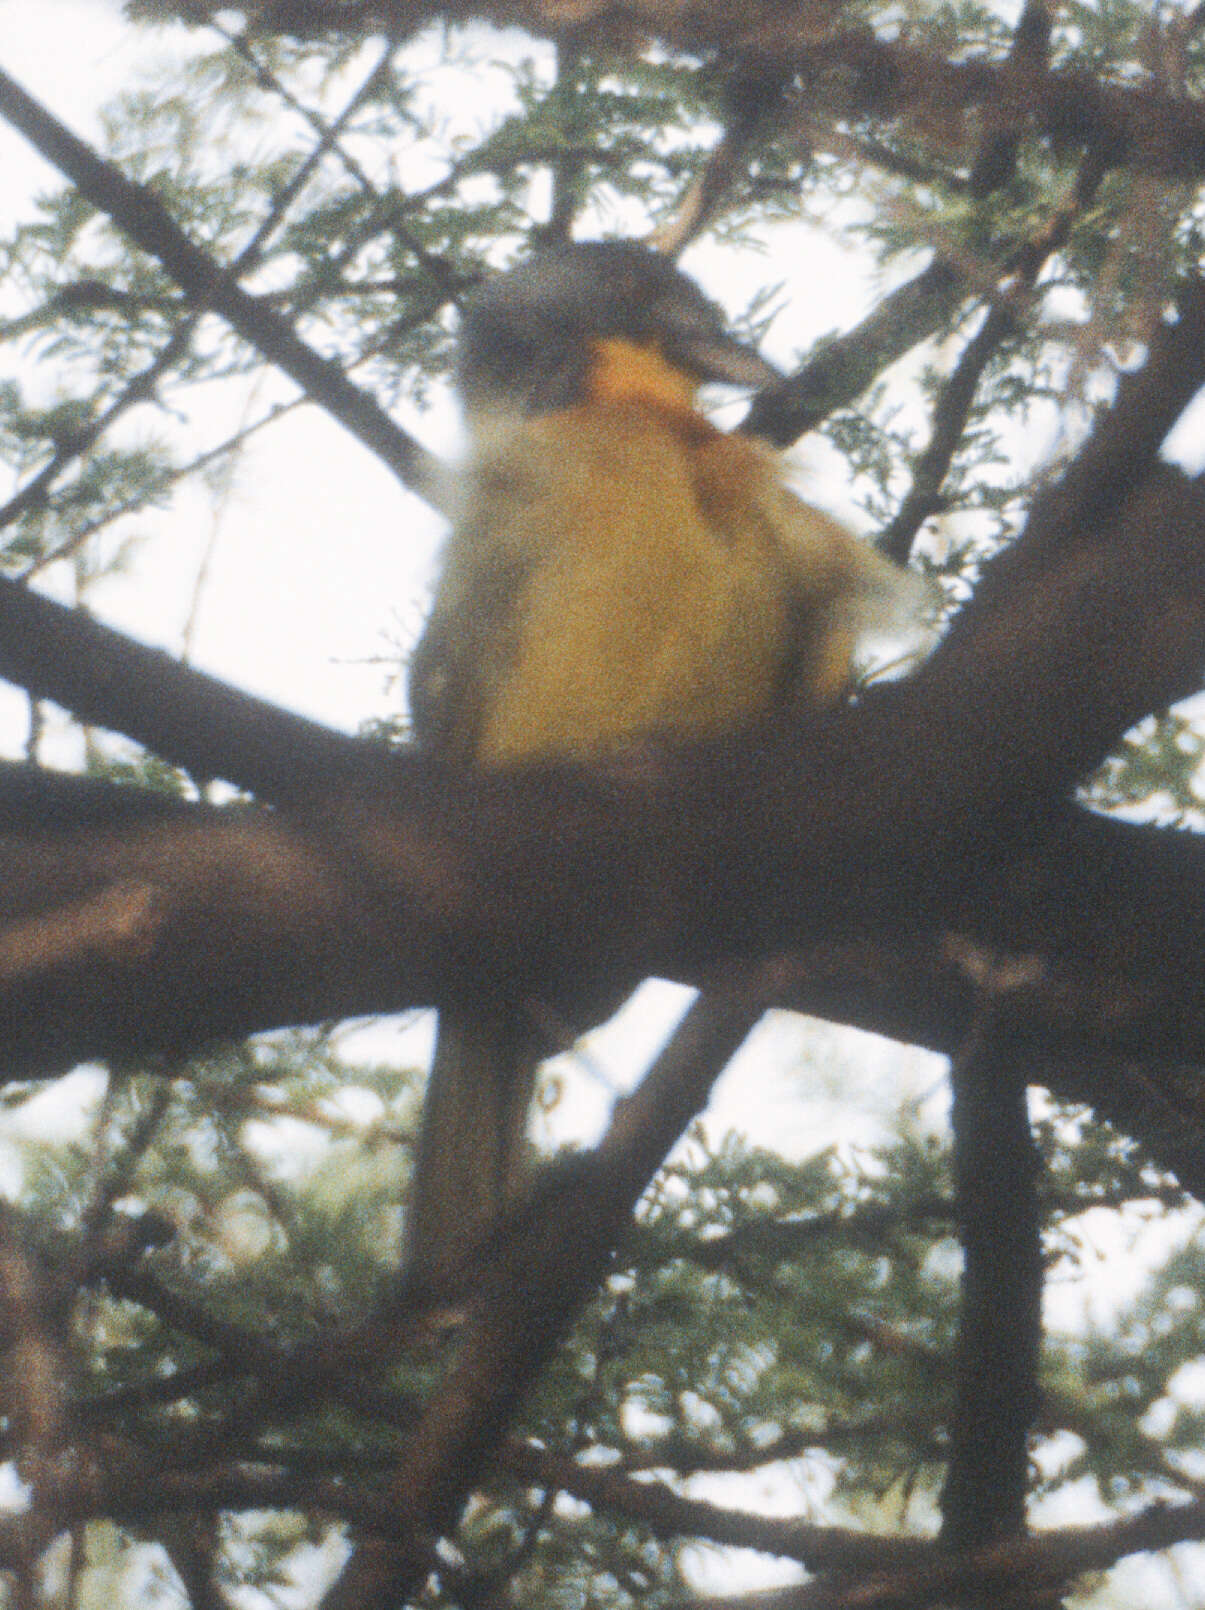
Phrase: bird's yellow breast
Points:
(655, 600)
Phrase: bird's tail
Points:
(471, 1163)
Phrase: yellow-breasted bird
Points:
(618, 571)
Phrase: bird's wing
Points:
(840, 589)
(470, 637)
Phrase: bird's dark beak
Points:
(721, 358)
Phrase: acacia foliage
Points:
(212, 1355)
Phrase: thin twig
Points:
(139, 213)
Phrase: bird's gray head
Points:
(529, 336)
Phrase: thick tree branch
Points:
(1116, 456)
(931, 805)
(194, 720)
(117, 1485)
(1143, 125)
(1007, 1574)
(999, 1223)
(35, 1371)
(668, 1514)
(996, 160)
(544, 1267)
(917, 991)
(843, 366)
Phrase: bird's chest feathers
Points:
(657, 605)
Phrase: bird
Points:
(619, 573)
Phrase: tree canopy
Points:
(855, 1363)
